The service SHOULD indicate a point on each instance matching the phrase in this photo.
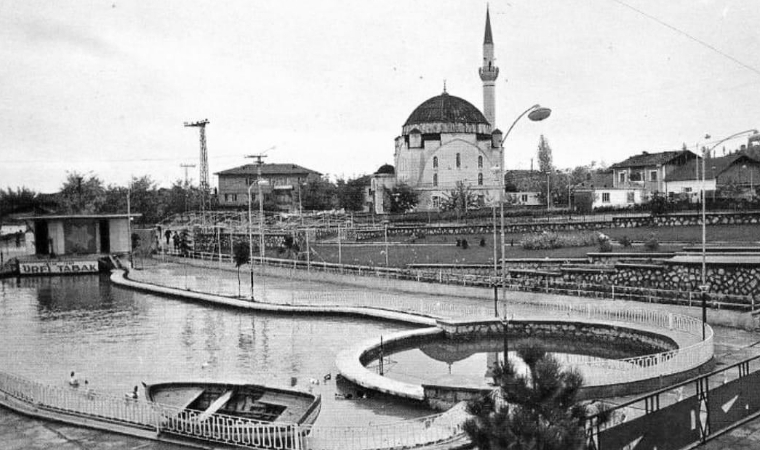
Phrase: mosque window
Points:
(435, 179)
(480, 162)
(480, 179)
(459, 161)
(435, 162)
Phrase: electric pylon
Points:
(187, 166)
(204, 184)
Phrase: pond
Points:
(116, 338)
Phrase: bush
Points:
(605, 246)
(652, 244)
(550, 240)
(626, 242)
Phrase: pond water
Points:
(116, 338)
(469, 361)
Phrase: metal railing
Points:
(81, 403)
(717, 402)
(145, 415)
(403, 434)
(545, 284)
(595, 372)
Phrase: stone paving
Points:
(20, 432)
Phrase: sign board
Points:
(57, 267)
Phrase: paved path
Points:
(19, 432)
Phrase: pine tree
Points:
(541, 410)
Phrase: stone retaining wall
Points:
(733, 280)
(674, 220)
(582, 331)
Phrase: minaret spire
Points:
(488, 39)
(488, 74)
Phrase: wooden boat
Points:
(244, 401)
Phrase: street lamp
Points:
(250, 237)
(703, 287)
(535, 113)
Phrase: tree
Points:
(179, 198)
(541, 410)
(82, 194)
(241, 255)
(402, 198)
(22, 199)
(318, 194)
(461, 199)
(658, 204)
(351, 193)
(545, 160)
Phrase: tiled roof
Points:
(649, 159)
(689, 170)
(597, 180)
(268, 169)
(446, 108)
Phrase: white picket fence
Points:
(78, 403)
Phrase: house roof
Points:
(597, 180)
(268, 169)
(646, 159)
(689, 170)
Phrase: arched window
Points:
(459, 161)
(480, 162)
(435, 179)
(480, 179)
(435, 162)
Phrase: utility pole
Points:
(259, 161)
(187, 166)
(204, 184)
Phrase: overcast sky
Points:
(105, 86)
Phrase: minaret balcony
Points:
(489, 73)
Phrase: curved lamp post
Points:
(536, 113)
(250, 236)
(703, 287)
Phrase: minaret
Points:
(488, 73)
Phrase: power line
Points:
(695, 39)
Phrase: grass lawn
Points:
(733, 234)
(443, 249)
(404, 250)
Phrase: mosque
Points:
(446, 140)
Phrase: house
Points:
(738, 170)
(647, 171)
(281, 184)
(524, 198)
(524, 187)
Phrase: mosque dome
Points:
(446, 113)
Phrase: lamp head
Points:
(539, 113)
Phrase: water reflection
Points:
(431, 361)
(115, 338)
